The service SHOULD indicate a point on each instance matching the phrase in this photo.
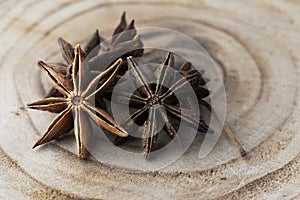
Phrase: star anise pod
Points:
(151, 100)
(75, 107)
(124, 38)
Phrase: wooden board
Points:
(257, 43)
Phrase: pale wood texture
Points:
(257, 43)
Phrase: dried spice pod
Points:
(146, 98)
(124, 42)
(124, 37)
(76, 107)
(151, 100)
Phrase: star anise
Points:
(124, 38)
(152, 100)
(124, 42)
(75, 107)
(156, 104)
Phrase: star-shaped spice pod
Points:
(156, 104)
(152, 100)
(76, 107)
(124, 38)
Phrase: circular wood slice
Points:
(254, 43)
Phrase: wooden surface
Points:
(257, 42)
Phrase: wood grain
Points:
(255, 43)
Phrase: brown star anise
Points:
(76, 107)
(155, 104)
(124, 42)
(124, 38)
(152, 100)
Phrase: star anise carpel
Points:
(76, 107)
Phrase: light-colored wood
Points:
(257, 42)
